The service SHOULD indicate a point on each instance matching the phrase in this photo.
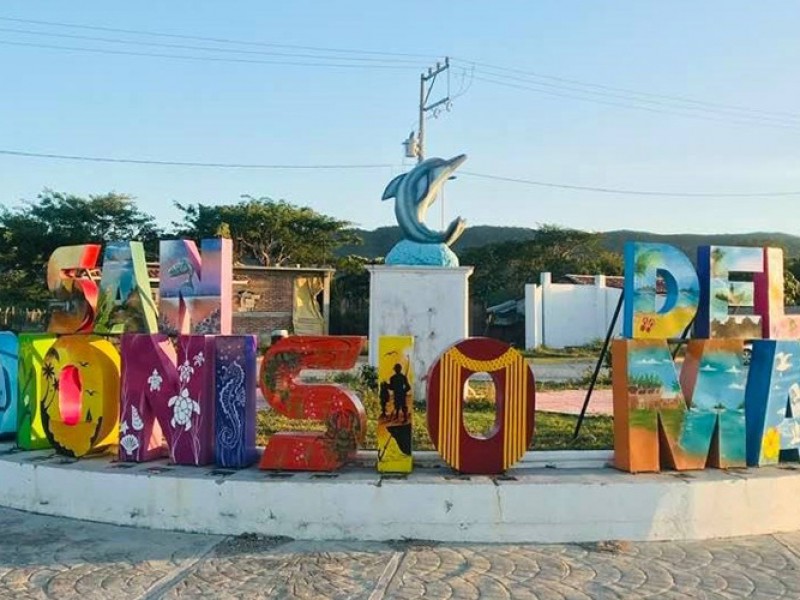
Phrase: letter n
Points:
(195, 293)
(167, 395)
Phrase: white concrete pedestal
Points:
(549, 497)
(430, 303)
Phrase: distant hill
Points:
(379, 241)
(615, 240)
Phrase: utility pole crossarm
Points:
(426, 83)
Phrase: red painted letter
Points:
(339, 408)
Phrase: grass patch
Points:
(591, 350)
(553, 431)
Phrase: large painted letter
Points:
(169, 393)
(336, 406)
(396, 384)
(718, 292)
(67, 280)
(769, 299)
(9, 368)
(32, 350)
(194, 293)
(235, 413)
(708, 427)
(80, 395)
(773, 401)
(125, 304)
(515, 398)
(644, 264)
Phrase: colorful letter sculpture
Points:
(395, 381)
(32, 350)
(164, 395)
(714, 380)
(80, 395)
(125, 303)
(644, 264)
(235, 408)
(773, 402)
(9, 388)
(718, 292)
(769, 300)
(648, 399)
(194, 294)
(337, 407)
(515, 397)
(77, 293)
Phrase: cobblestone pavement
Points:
(46, 557)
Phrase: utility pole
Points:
(427, 80)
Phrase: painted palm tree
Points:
(717, 258)
(645, 262)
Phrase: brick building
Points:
(268, 298)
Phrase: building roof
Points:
(297, 268)
(616, 282)
(153, 269)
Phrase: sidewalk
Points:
(571, 401)
(48, 557)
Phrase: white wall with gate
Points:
(567, 314)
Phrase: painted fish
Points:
(182, 267)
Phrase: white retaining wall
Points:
(561, 314)
(532, 504)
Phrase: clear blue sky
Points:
(723, 52)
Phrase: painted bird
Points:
(783, 362)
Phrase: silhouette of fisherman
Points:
(400, 388)
(384, 397)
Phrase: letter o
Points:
(515, 399)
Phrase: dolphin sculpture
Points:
(415, 191)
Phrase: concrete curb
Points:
(566, 502)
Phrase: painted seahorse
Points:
(231, 395)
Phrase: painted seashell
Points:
(129, 443)
(136, 420)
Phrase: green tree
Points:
(350, 296)
(793, 266)
(30, 233)
(502, 270)
(791, 287)
(269, 232)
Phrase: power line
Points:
(204, 48)
(177, 163)
(753, 116)
(739, 121)
(204, 58)
(605, 190)
(630, 98)
(215, 39)
(682, 99)
(219, 165)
